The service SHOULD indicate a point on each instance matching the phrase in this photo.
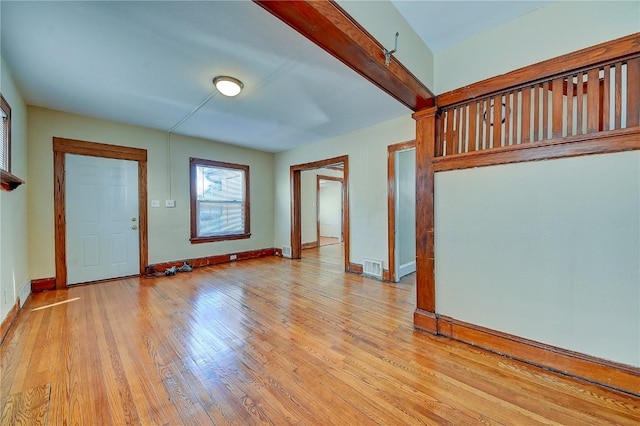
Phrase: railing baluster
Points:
(579, 104)
(570, 91)
(557, 106)
(606, 99)
(497, 121)
(589, 101)
(618, 96)
(593, 100)
(507, 118)
(473, 113)
(486, 121)
(526, 114)
(633, 92)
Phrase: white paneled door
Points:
(101, 203)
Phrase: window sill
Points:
(9, 182)
(198, 240)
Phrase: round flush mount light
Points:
(228, 86)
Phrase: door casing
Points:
(63, 146)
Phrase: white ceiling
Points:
(151, 63)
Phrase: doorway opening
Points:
(330, 166)
(401, 209)
(329, 190)
(62, 147)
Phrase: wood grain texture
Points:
(594, 143)
(615, 375)
(326, 24)
(426, 125)
(606, 52)
(271, 341)
(633, 92)
(9, 319)
(43, 284)
(61, 147)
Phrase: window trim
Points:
(7, 110)
(8, 182)
(195, 239)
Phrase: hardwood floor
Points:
(268, 341)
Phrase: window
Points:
(5, 135)
(219, 201)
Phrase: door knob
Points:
(133, 219)
(134, 227)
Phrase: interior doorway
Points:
(401, 209)
(336, 163)
(63, 147)
(329, 194)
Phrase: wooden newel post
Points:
(425, 314)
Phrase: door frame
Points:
(335, 179)
(62, 146)
(391, 202)
(296, 204)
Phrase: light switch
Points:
(155, 203)
(170, 203)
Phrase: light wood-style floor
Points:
(269, 341)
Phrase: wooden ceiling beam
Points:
(330, 27)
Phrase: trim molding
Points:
(573, 146)
(43, 284)
(296, 204)
(425, 321)
(309, 245)
(611, 374)
(62, 146)
(8, 321)
(217, 259)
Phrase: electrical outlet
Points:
(155, 203)
(170, 203)
(233, 257)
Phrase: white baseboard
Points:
(24, 292)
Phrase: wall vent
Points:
(286, 251)
(372, 268)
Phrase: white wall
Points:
(554, 30)
(13, 205)
(330, 208)
(168, 228)
(547, 250)
(367, 151)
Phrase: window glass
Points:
(219, 200)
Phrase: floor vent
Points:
(372, 268)
(286, 251)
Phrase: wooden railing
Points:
(591, 99)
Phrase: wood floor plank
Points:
(269, 341)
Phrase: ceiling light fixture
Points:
(228, 86)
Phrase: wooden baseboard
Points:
(611, 374)
(43, 284)
(309, 245)
(214, 260)
(425, 321)
(6, 323)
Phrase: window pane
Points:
(219, 199)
